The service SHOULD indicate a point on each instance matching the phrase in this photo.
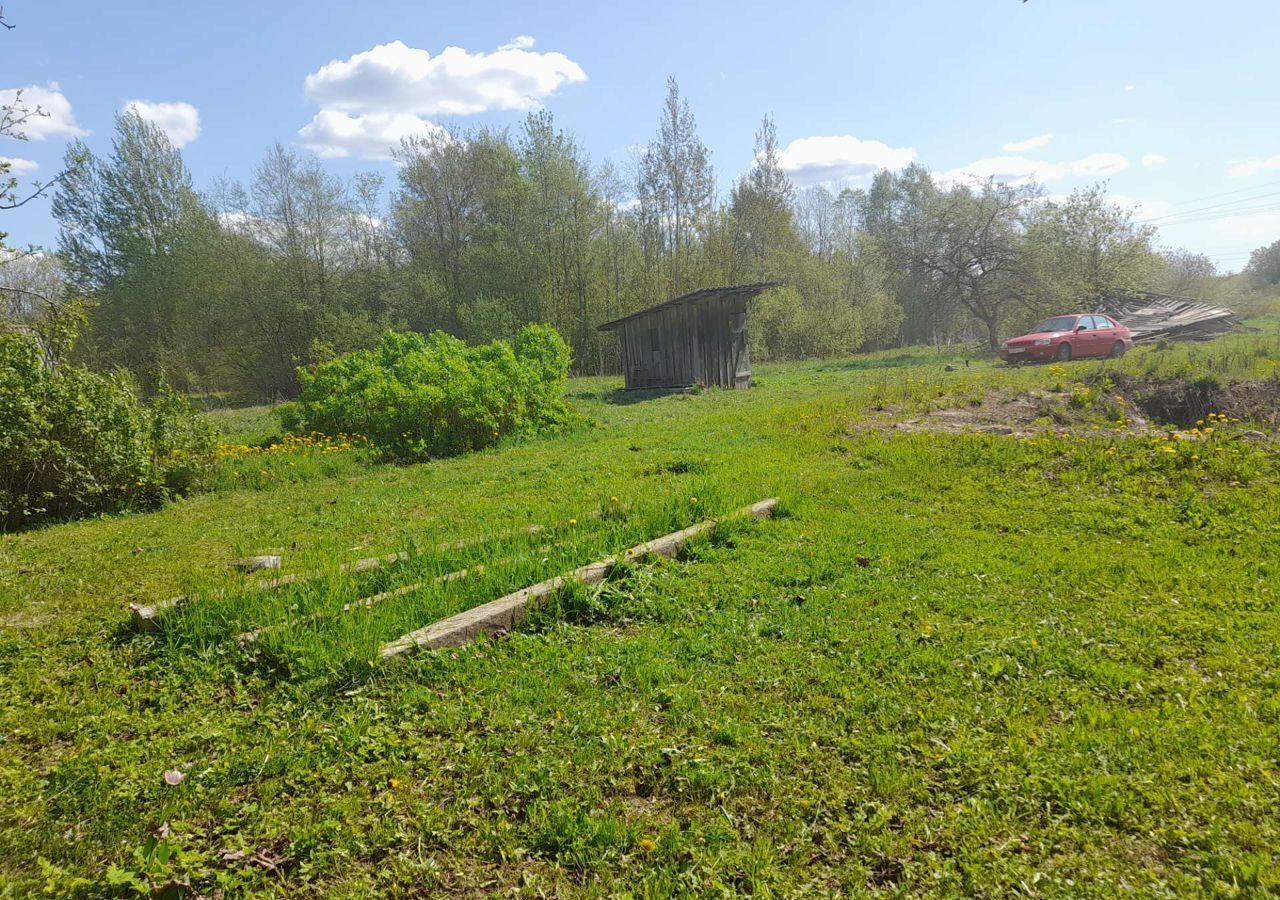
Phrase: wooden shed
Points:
(696, 338)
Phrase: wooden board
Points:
(501, 615)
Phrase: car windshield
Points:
(1059, 323)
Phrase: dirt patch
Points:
(1183, 402)
(1020, 414)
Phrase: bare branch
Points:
(40, 190)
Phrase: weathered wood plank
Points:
(146, 616)
(506, 612)
(248, 637)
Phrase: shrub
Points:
(419, 397)
(74, 443)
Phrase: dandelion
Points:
(573, 521)
(613, 499)
(693, 499)
(647, 845)
(394, 783)
(1167, 449)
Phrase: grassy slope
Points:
(963, 664)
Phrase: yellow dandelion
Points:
(647, 845)
(573, 521)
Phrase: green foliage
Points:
(1264, 265)
(421, 397)
(965, 664)
(74, 443)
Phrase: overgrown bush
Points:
(419, 397)
(74, 443)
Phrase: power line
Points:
(1252, 187)
(1190, 212)
(1219, 216)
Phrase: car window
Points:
(1102, 322)
(1058, 323)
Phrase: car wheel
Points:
(1064, 352)
(1117, 351)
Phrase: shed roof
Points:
(745, 290)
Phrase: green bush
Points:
(74, 443)
(420, 397)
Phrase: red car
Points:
(1069, 337)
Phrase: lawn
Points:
(1045, 662)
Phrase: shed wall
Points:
(691, 343)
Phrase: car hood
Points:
(1037, 336)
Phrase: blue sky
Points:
(1175, 103)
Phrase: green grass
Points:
(959, 664)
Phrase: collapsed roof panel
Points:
(1151, 316)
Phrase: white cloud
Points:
(1154, 159)
(334, 134)
(1099, 164)
(57, 121)
(1014, 170)
(395, 78)
(1249, 167)
(180, 121)
(1019, 170)
(18, 166)
(1130, 87)
(1257, 226)
(1035, 143)
(813, 160)
(1121, 122)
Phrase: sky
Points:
(1173, 103)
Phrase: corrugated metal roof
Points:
(1151, 316)
(749, 290)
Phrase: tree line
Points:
(483, 231)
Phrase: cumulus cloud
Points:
(1249, 167)
(180, 121)
(18, 166)
(1035, 143)
(57, 119)
(1154, 159)
(813, 160)
(333, 134)
(1014, 170)
(1019, 170)
(396, 78)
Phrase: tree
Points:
(1264, 264)
(761, 203)
(1083, 248)
(129, 228)
(676, 185)
(1186, 273)
(972, 252)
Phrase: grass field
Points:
(1042, 663)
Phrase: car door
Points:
(1091, 343)
(1105, 335)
